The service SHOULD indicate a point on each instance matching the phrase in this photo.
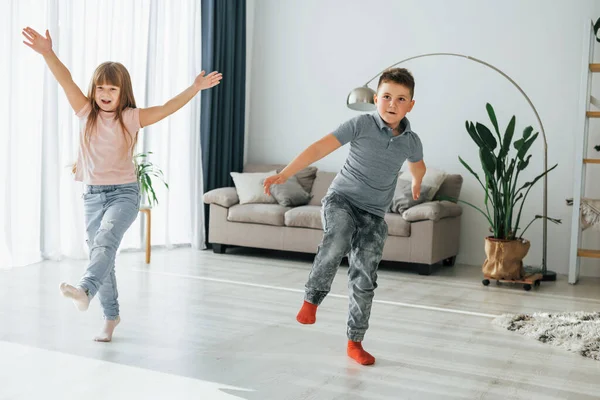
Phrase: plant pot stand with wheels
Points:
(528, 280)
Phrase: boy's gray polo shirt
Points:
(368, 178)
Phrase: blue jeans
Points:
(109, 212)
(348, 230)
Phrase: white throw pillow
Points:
(249, 186)
(433, 179)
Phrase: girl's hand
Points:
(37, 42)
(205, 82)
(273, 180)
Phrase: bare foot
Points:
(107, 330)
(78, 295)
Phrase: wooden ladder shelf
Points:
(588, 253)
(582, 160)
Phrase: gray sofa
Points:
(425, 234)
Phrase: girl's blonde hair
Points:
(114, 74)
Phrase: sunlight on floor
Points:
(31, 373)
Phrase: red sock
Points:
(356, 352)
(307, 314)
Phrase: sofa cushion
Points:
(450, 209)
(397, 226)
(267, 214)
(432, 210)
(225, 197)
(250, 188)
(434, 178)
(306, 177)
(451, 187)
(403, 197)
(304, 217)
(290, 193)
(320, 186)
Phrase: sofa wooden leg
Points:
(449, 262)
(219, 248)
(425, 269)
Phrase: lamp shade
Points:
(361, 99)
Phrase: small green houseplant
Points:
(145, 170)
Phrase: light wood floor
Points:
(197, 325)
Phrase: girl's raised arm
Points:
(43, 45)
(151, 115)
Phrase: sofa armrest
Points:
(450, 209)
(225, 197)
(432, 210)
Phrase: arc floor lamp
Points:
(361, 99)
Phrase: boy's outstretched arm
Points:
(313, 153)
(43, 45)
(151, 115)
(417, 170)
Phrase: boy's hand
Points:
(205, 82)
(273, 180)
(416, 190)
(37, 42)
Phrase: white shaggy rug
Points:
(578, 332)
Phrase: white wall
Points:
(307, 56)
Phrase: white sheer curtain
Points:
(41, 211)
(21, 104)
(174, 39)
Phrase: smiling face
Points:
(393, 102)
(110, 88)
(107, 97)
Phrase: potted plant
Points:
(145, 171)
(504, 196)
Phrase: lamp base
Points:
(549, 276)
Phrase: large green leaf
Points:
(508, 137)
(488, 161)
(486, 136)
(518, 144)
(492, 115)
(522, 145)
(526, 145)
(474, 135)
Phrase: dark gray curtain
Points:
(223, 107)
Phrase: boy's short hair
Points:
(400, 76)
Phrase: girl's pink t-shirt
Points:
(107, 158)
